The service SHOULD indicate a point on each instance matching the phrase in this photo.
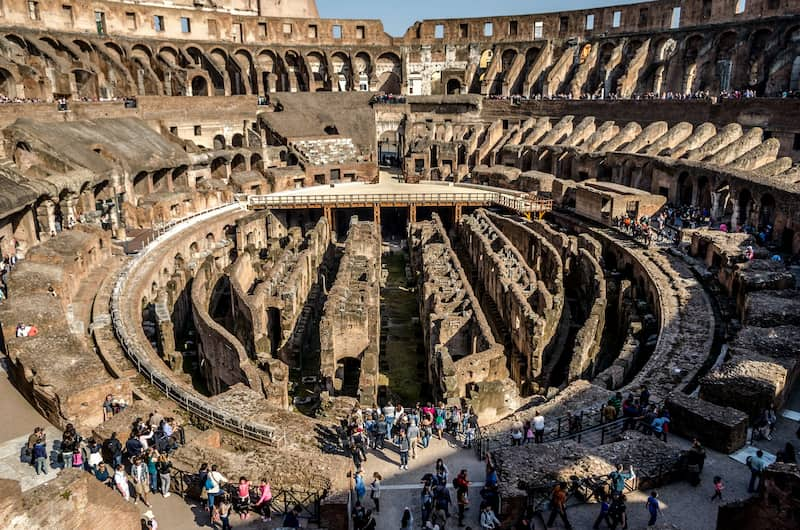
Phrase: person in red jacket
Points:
(461, 484)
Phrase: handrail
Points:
(520, 204)
(188, 400)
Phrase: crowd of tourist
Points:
(702, 95)
(409, 430)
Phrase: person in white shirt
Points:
(538, 427)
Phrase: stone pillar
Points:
(735, 216)
(412, 213)
(457, 214)
(377, 217)
(67, 207)
(328, 212)
(46, 217)
(716, 214)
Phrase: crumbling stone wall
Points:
(73, 500)
(502, 274)
(723, 429)
(592, 287)
(459, 343)
(350, 324)
(774, 507)
(57, 371)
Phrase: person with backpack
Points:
(618, 512)
(489, 520)
(114, 450)
(213, 483)
(426, 501)
(653, 507)
(618, 478)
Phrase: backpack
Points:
(209, 485)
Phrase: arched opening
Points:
(388, 69)
(453, 86)
(161, 180)
(218, 169)
(685, 189)
(348, 371)
(256, 162)
(8, 86)
(219, 142)
(199, 86)
(237, 140)
(745, 204)
(141, 184)
(85, 84)
(766, 214)
(180, 177)
(703, 193)
(238, 164)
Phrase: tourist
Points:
(370, 523)
(442, 500)
(609, 411)
(618, 478)
(102, 474)
(538, 427)
(95, 457)
(39, 454)
(292, 518)
(121, 481)
(718, 487)
(528, 429)
(653, 507)
(403, 448)
(164, 470)
(413, 435)
(151, 522)
(108, 408)
(489, 519)
(604, 515)
(140, 480)
(439, 422)
(223, 512)
(37, 437)
(375, 491)
(461, 484)
(69, 445)
(133, 447)
(469, 430)
(381, 430)
(491, 473)
(426, 502)
(359, 487)
(619, 512)
(426, 429)
(756, 465)
(659, 426)
(359, 516)
(695, 459)
(113, 449)
(407, 520)
(152, 469)
(213, 483)
(517, 431)
(441, 472)
(558, 505)
(787, 454)
(388, 414)
(264, 503)
(242, 503)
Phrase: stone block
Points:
(723, 429)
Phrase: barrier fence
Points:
(193, 403)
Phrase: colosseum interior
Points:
(258, 221)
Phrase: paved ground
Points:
(19, 420)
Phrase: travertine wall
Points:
(350, 325)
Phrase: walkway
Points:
(19, 420)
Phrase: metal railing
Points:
(519, 204)
(186, 483)
(139, 355)
(591, 424)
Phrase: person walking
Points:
(413, 435)
(375, 491)
(757, 465)
(538, 427)
(359, 487)
(264, 503)
(718, 487)
(604, 514)
(558, 505)
(653, 507)
(461, 484)
(618, 478)
(618, 512)
(140, 480)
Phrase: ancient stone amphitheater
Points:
(253, 219)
